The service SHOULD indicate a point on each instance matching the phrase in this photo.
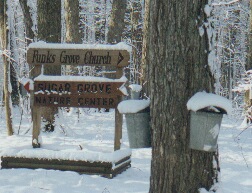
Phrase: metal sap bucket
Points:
(134, 95)
(204, 130)
(138, 127)
(135, 90)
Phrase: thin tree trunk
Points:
(27, 21)
(49, 30)
(73, 34)
(116, 22)
(136, 19)
(144, 66)
(177, 56)
(4, 45)
(116, 26)
(72, 17)
(49, 27)
(248, 65)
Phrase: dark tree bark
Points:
(248, 65)
(116, 23)
(49, 27)
(137, 37)
(144, 66)
(4, 46)
(49, 30)
(72, 17)
(73, 34)
(178, 68)
(116, 26)
(27, 21)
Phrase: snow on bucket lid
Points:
(133, 106)
(135, 87)
(203, 99)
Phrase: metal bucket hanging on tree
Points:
(206, 114)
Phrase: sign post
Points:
(76, 92)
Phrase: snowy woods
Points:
(175, 50)
(228, 57)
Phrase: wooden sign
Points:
(77, 94)
(86, 57)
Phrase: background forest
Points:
(229, 56)
(223, 39)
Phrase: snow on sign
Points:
(77, 94)
(78, 55)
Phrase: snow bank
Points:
(44, 45)
(133, 106)
(202, 100)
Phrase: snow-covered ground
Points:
(94, 131)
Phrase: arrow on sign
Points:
(120, 58)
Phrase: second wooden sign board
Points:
(77, 94)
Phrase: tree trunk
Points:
(248, 65)
(177, 56)
(137, 37)
(116, 22)
(49, 30)
(4, 43)
(116, 26)
(27, 21)
(73, 34)
(144, 66)
(72, 17)
(49, 27)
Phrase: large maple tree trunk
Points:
(178, 68)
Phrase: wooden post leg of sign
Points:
(36, 118)
(36, 115)
(118, 118)
(118, 129)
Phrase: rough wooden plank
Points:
(80, 57)
(121, 168)
(56, 161)
(100, 168)
(88, 169)
(123, 160)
